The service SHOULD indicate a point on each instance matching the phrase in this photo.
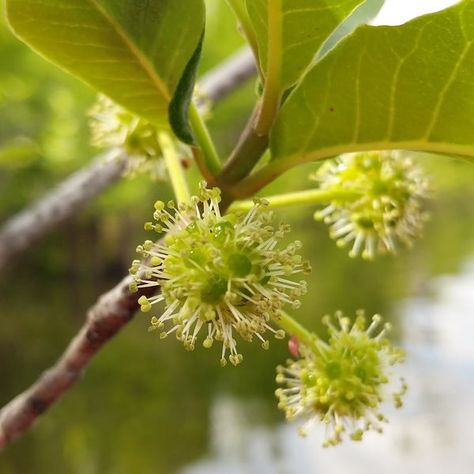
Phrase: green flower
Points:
(125, 134)
(342, 382)
(388, 209)
(225, 275)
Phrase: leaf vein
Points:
(444, 90)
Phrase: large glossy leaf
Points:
(306, 25)
(406, 87)
(134, 51)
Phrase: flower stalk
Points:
(208, 157)
(301, 198)
(294, 328)
(175, 168)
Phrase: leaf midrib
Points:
(135, 51)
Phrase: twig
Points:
(21, 231)
(224, 79)
(27, 227)
(105, 319)
(246, 154)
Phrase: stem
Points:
(300, 198)
(246, 154)
(242, 16)
(293, 327)
(175, 170)
(255, 182)
(254, 140)
(210, 158)
(198, 159)
(272, 91)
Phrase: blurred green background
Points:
(146, 406)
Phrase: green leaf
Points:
(134, 51)
(404, 87)
(179, 107)
(306, 25)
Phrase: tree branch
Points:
(27, 227)
(221, 81)
(21, 231)
(106, 318)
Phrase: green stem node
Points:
(245, 155)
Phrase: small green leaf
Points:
(404, 87)
(179, 107)
(306, 25)
(134, 51)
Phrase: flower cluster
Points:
(343, 381)
(127, 135)
(226, 274)
(386, 202)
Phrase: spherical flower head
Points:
(225, 275)
(125, 134)
(341, 382)
(386, 205)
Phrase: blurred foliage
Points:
(144, 404)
